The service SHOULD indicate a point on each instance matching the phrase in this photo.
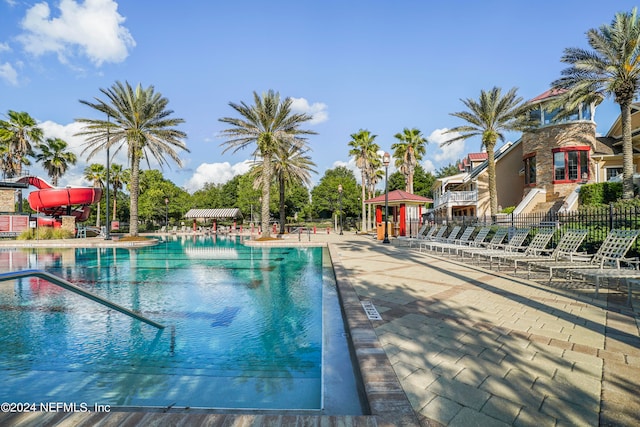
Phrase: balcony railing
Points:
(453, 197)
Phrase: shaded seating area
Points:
(214, 215)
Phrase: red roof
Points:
(475, 157)
(548, 94)
(400, 196)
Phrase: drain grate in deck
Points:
(371, 311)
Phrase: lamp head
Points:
(386, 159)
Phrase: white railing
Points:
(448, 197)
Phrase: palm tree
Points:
(20, 132)
(55, 159)
(136, 120)
(374, 175)
(364, 149)
(119, 177)
(291, 165)
(407, 152)
(95, 173)
(488, 118)
(270, 125)
(611, 68)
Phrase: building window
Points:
(612, 172)
(530, 170)
(571, 164)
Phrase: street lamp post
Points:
(386, 159)
(166, 213)
(340, 198)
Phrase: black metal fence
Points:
(598, 221)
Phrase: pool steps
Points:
(73, 288)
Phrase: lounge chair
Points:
(463, 239)
(535, 248)
(514, 245)
(495, 241)
(453, 235)
(567, 248)
(436, 235)
(477, 242)
(610, 254)
(426, 234)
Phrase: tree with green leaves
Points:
(610, 68)
(119, 178)
(448, 170)
(365, 151)
(95, 173)
(55, 159)
(325, 197)
(408, 151)
(291, 166)
(270, 125)
(489, 117)
(18, 134)
(136, 120)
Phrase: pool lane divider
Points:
(78, 290)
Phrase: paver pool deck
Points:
(458, 345)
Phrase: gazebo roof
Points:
(214, 213)
(400, 196)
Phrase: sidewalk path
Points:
(473, 347)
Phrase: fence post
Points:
(610, 216)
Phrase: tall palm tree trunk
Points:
(282, 212)
(115, 201)
(491, 171)
(364, 219)
(266, 184)
(627, 150)
(135, 190)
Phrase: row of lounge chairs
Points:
(523, 247)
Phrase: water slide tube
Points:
(55, 201)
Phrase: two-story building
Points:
(544, 169)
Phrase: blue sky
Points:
(377, 65)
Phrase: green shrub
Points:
(508, 210)
(601, 193)
(45, 233)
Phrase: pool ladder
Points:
(73, 288)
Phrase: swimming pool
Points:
(247, 328)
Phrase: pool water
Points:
(244, 327)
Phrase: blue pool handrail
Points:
(78, 290)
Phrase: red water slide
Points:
(56, 201)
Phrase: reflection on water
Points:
(243, 326)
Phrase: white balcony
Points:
(452, 198)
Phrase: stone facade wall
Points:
(69, 224)
(7, 200)
(543, 140)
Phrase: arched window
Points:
(571, 164)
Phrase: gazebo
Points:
(215, 214)
(405, 217)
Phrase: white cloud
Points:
(8, 74)
(446, 153)
(217, 173)
(76, 146)
(92, 27)
(317, 110)
(428, 166)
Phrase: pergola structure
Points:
(406, 211)
(214, 214)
